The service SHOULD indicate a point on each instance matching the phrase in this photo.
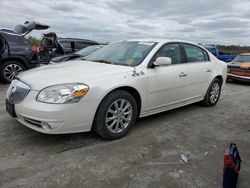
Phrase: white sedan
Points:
(109, 89)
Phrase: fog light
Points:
(45, 126)
(51, 125)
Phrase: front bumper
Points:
(56, 118)
(237, 77)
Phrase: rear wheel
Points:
(9, 70)
(213, 93)
(116, 115)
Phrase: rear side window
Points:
(195, 54)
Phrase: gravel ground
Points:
(148, 157)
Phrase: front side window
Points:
(170, 50)
(128, 53)
(194, 53)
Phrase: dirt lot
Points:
(148, 157)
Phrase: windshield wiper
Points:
(103, 61)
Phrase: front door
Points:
(167, 85)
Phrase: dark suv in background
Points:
(17, 54)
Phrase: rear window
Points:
(242, 58)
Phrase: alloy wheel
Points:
(11, 71)
(214, 92)
(119, 115)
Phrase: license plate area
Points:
(10, 108)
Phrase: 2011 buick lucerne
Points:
(111, 87)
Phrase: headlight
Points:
(61, 94)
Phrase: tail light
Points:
(34, 49)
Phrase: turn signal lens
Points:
(81, 93)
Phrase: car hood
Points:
(77, 71)
(240, 65)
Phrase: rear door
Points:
(200, 69)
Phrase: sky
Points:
(201, 21)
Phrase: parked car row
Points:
(18, 55)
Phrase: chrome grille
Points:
(17, 91)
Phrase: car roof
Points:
(163, 41)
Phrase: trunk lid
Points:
(27, 27)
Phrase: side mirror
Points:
(163, 61)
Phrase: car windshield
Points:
(241, 59)
(88, 50)
(127, 53)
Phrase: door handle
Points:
(209, 70)
(182, 74)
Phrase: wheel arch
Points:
(220, 78)
(134, 92)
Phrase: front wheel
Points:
(115, 116)
(213, 93)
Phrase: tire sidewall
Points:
(100, 119)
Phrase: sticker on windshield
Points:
(146, 43)
(130, 62)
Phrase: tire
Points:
(213, 93)
(110, 121)
(9, 70)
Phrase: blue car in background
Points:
(226, 57)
